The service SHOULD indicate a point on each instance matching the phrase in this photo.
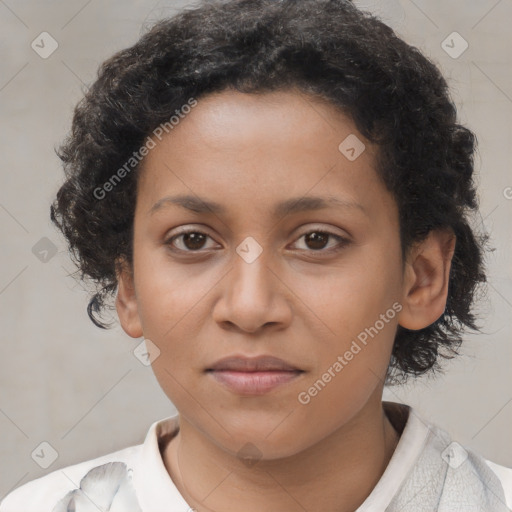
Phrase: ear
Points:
(426, 277)
(126, 301)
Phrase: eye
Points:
(191, 240)
(316, 241)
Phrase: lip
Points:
(253, 376)
(253, 383)
(252, 364)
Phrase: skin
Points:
(296, 301)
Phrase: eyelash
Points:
(342, 241)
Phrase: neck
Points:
(335, 475)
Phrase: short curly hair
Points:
(328, 49)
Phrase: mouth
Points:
(253, 376)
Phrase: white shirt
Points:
(155, 491)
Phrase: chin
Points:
(261, 441)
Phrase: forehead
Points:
(280, 119)
(243, 149)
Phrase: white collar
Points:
(157, 492)
(155, 489)
(412, 441)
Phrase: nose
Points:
(253, 295)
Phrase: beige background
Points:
(66, 382)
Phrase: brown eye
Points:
(318, 241)
(191, 241)
(315, 241)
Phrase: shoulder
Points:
(469, 476)
(44, 493)
(455, 473)
(504, 474)
(455, 455)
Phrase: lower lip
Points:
(253, 383)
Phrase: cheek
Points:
(166, 291)
(353, 358)
(169, 297)
(352, 296)
(356, 309)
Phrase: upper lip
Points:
(252, 364)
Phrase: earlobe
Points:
(426, 279)
(126, 301)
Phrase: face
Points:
(306, 285)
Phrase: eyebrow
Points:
(287, 207)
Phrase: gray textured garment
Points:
(445, 477)
(458, 481)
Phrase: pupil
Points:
(320, 239)
(189, 239)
